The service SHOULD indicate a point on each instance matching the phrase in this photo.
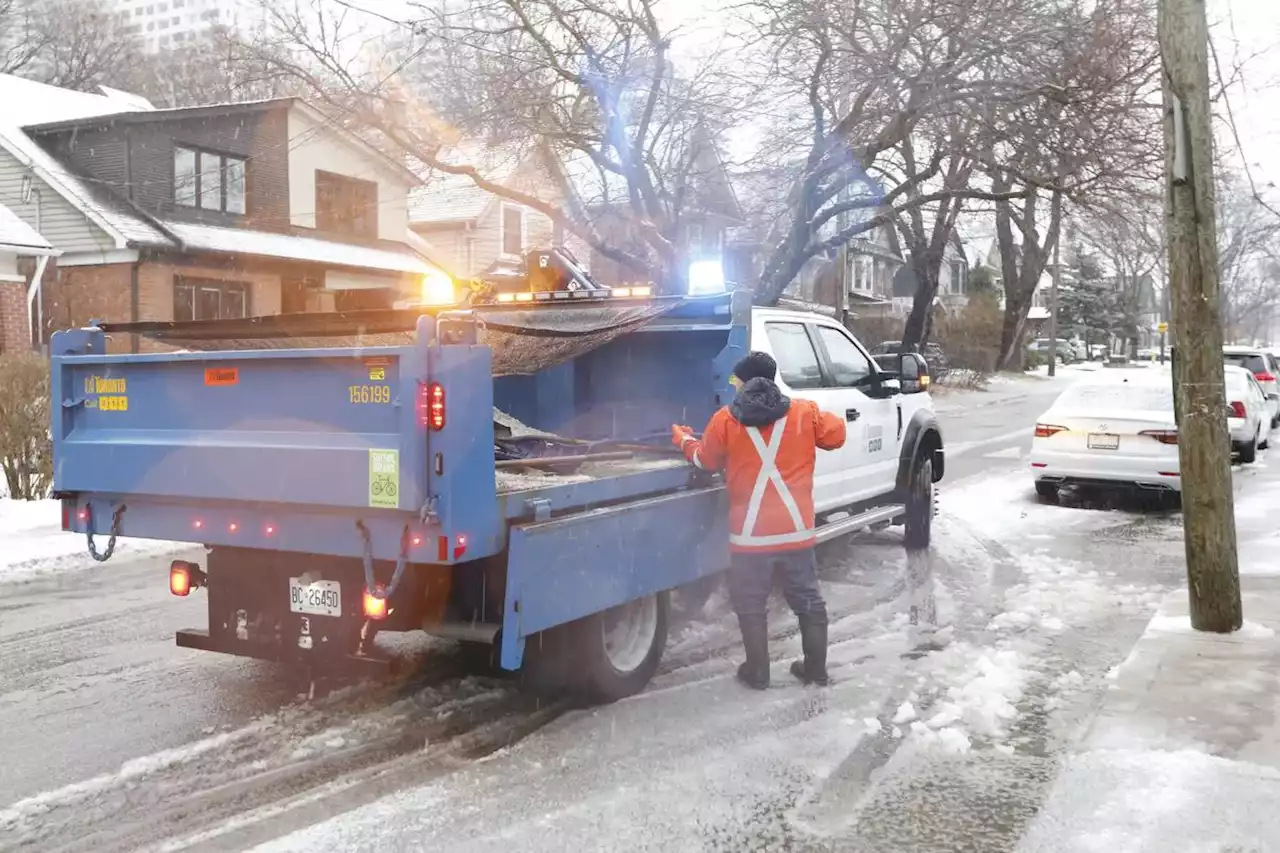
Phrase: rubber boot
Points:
(754, 672)
(813, 639)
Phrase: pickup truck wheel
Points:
(622, 647)
(919, 526)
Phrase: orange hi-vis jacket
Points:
(768, 473)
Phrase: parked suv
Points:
(1264, 367)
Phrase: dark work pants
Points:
(751, 578)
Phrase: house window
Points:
(346, 205)
(957, 277)
(861, 278)
(695, 239)
(206, 299)
(512, 230)
(208, 181)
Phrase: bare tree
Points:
(1249, 260)
(1132, 245)
(589, 84)
(75, 44)
(870, 92)
(212, 67)
(1084, 131)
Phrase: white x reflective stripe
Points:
(772, 539)
(769, 473)
(697, 460)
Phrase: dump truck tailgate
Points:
(333, 427)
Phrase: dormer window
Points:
(208, 180)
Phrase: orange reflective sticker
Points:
(222, 376)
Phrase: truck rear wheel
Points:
(919, 526)
(622, 646)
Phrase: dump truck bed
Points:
(293, 448)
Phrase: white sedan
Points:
(1248, 415)
(1114, 428)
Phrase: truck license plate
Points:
(1103, 441)
(319, 598)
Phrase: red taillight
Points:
(1237, 410)
(1264, 377)
(1047, 430)
(431, 405)
(1164, 436)
(374, 607)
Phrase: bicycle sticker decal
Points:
(384, 478)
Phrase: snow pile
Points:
(1063, 593)
(32, 542)
(978, 696)
(1006, 508)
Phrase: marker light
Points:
(184, 577)
(375, 608)
(506, 297)
(438, 289)
(706, 277)
(524, 297)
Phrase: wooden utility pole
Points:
(1203, 443)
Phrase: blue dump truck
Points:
(499, 475)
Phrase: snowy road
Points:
(115, 738)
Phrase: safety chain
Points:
(401, 561)
(115, 532)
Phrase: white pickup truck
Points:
(893, 455)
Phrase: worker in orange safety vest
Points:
(766, 444)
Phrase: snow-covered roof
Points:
(28, 102)
(445, 197)
(16, 235)
(110, 215)
(211, 238)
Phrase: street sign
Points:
(1162, 327)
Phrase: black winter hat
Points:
(756, 365)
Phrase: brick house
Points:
(20, 244)
(209, 212)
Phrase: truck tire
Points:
(920, 506)
(621, 647)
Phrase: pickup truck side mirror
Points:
(913, 371)
(881, 384)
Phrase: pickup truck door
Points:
(876, 433)
(800, 376)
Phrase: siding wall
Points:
(312, 147)
(486, 235)
(61, 223)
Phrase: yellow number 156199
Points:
(369, 393)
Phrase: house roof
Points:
(29, 102)
(132, 115)
(445, 197)
(18, 236)
(26, 101)
(235, 241)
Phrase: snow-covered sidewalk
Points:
(32, 542)
(1185, 752)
